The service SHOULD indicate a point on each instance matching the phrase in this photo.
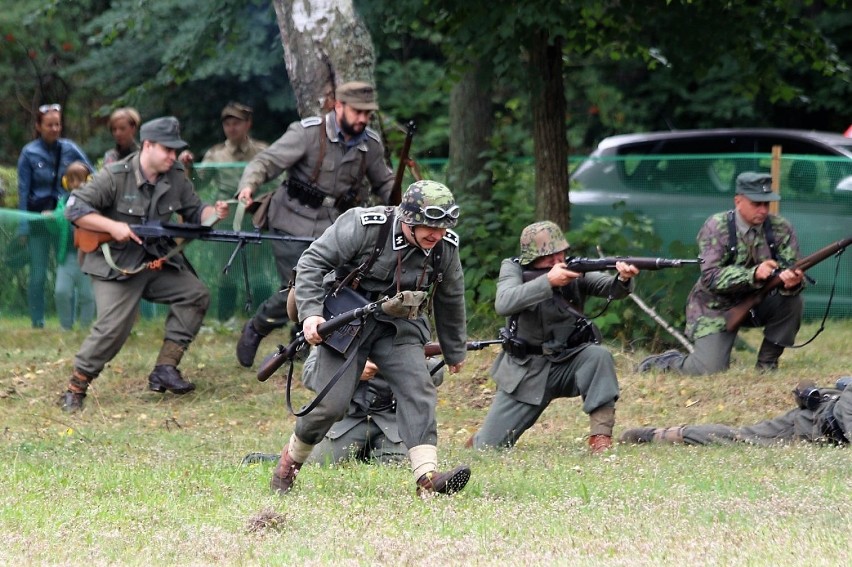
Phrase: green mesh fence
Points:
(677, 191)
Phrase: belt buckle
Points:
(328, 201)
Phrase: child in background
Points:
(73, 290)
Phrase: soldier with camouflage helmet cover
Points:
(742, 249)
(333, 162)
(418, 257)
(551, 351)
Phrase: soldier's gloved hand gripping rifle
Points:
(288, 353)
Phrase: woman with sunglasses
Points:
(41, 165)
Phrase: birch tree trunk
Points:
(325, 44)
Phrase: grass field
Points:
(146, 479)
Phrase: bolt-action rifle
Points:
(735, 316)
(583, 265)
(396, 189)
(284, 353)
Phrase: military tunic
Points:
(120, 192)
(394, 344)
(832, 417)
(227, 180)
(299, 152)
(726, 280)
(527, 385)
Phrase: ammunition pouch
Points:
(516, 346)
(406, 305)
(340, 301)
(584, 332)
(308, 194)
(348, 200)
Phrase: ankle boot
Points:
(443, 483)
(72, 400)
(285, 473)
(768, 355)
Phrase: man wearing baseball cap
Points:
(742, 250)
(149, 186)
(333, 162)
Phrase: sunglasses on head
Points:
(45, 108)
(434, 212)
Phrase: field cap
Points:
(237, 110)
(358, 95)
(165, 131)
(756, 187)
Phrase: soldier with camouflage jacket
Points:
(553, 351)
(327, 160)
(742, 249)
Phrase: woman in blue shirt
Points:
(41, 166)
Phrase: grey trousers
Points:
(396, 348)
(795, 425)
(272, 313)
(117, 302)
(364, 442)
(590, 374)
(779, 315)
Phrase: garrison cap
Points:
(358, 95)
(756, 187)
(164, 131)
(237, 110)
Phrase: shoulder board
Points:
(311, 121)
(374, 135)
(373, 218)
(452, 238)
(119, 167)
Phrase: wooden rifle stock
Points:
(396, 190)
(735, 316)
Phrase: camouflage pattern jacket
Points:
(299, 152)
(726, 279)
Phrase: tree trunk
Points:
(325, 44)
(547, 99)
(471, 124)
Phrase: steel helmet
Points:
(429, 203)
(541, 239)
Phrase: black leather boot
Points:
(248, 344)
(167, 377)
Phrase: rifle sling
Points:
(306, 409)
(158, 263)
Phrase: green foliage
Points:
(489, 233)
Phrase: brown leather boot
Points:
(72, 399)
(443, 483)
(599, 443)
(285, 473)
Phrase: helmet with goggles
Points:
(429, 203)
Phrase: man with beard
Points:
(327, 159)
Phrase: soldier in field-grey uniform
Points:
(415, 256)
(552, 349)
(149, 186)
(327, 159)
(823, 415)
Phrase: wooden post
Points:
(775, 170)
